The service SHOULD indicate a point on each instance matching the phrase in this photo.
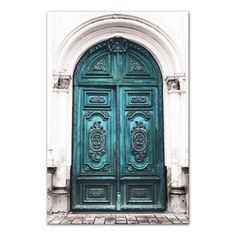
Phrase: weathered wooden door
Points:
(118, 160)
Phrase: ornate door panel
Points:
(141, 157)
(118, 160)
(94, 171)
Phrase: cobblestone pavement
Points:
(117, 218)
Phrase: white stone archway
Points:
(162, 47)
(169, 58)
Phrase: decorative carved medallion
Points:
(97, 99)
(96, 142)
(173, 84)
(139, 141)
(100, 65)
(139, 99)
(134, 66)
(63, 82)
(117, 45)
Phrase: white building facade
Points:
(69, 36)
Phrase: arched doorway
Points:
(118, 156)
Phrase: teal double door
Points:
(118, 161)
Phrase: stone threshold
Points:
(116, 218)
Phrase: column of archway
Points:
(177, 191)
(60, 108)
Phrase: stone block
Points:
(153, 220)
(177, 204)
(78, 220)
(110, 220)
(60, 202)
(99, 220)
(88, 220)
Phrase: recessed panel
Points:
(138, 193)
(138, 99)
(96, 193)
(95, 98)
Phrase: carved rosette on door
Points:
(96, 142)
(139, 141)
(139, 138)
(96, 138)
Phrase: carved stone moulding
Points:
(51, 170)
(177, 190)
(117, 45)
(174, 82)
(63, 82)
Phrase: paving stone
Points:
(68, 219)
(121, 220)
(110, 220)
(78, 220)
(99, 220)
(153, 220)
(99, 215)
(88, 220)
(173, 219)
(119, 215)
(131, 217)
(142, 220)
(149, 215)
(183, 219)
(163, 220)
(57, 220)
(144, 215)
(50, 217)
(132, 222)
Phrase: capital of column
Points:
(175, 83)
(61, 82)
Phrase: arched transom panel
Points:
(117, 60)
